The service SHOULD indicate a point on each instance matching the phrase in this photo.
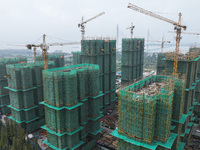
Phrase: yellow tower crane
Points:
(177, 26)
(44, 46)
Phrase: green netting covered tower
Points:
(145, 110)
(102, 53)
(58, 59)
(77, 59)
(4, 95)
(185, 98)
(71, 101)
(197, 89)
(132, 60)
(26, 91)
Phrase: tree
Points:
(3, 139)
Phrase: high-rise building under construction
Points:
(25, 87)
(4, 94)
(132, 60)
(103, 53)
(157, 112)
(71, 101)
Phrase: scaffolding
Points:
(71, 101)
(132, 59)
(185, 92)
(26, 91)
(145, 110)
(4, 95)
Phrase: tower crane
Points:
(162, 43)
(191, 33)
(82, 24)
(44, 46)
(177, 26)
(131, 29)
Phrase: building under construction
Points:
(145, 110)
(132, 60)
(58, 59)
(4, 95)
(103, 53)
(197, 90)
(25, 87)
(71, 99)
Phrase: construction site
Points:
(91, 105)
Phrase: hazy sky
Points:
(24, 21)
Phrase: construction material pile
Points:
(152, 88)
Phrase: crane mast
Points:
(34, 51)
(82, 24)
(44, 53)
(178, 38)
(177, 27)
(131, 29)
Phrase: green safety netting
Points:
(3, 81)
(145, 117)
(102, 53)
(106, 83)
(22, 76)
(72, 98)
(26, 91)
(178, 102)
(6, 61)
(132, 59)
(77, 58)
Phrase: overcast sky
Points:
(24, 21)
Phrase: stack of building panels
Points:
(71, 101)
(4, 95)
(102, 53)
(25, 87)
(132, 60)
